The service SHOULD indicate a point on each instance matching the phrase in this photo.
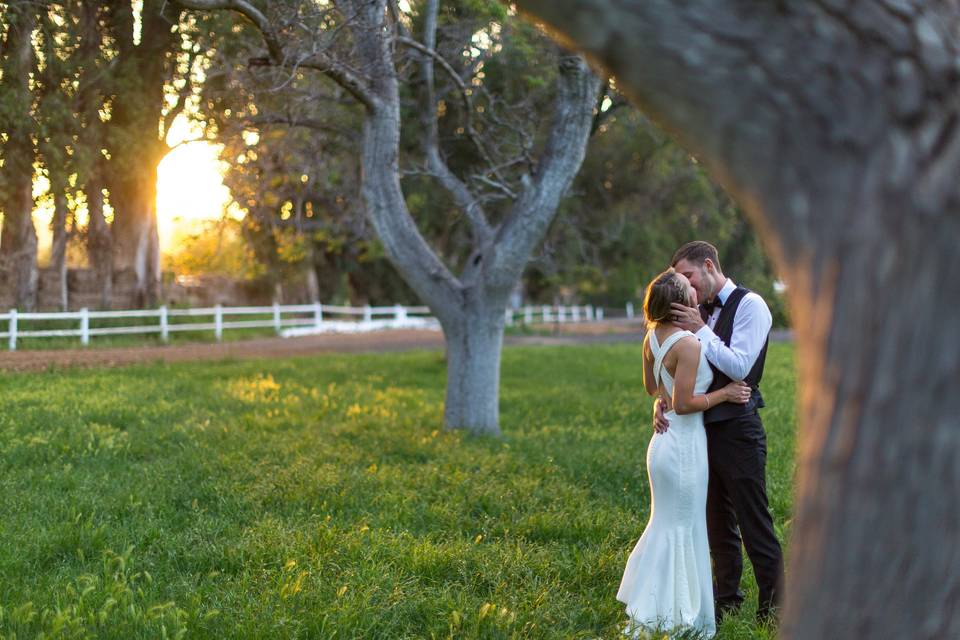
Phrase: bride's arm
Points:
(649, 384)
(687, 351)
(648, 381)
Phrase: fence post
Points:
(13, 329)
(84, 326)
(546, 313)
(527, 315)
(589, 312)
(508, 316)
(276, 317)
(367, 314)
(575, 312)
(629, 309)
(599, 313)
(400, 313)
(164, 326)
(561, 313)
(218, 322)
(317, 315)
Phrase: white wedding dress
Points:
(667, 583)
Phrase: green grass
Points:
(319, 498)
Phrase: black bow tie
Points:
(706, 309)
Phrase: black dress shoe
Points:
(723, 610)
(767, 617)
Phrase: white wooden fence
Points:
(218, 319)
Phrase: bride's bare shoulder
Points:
(688, 346)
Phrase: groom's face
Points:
(699, 277)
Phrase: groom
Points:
(733, 325)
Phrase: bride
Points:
(667, 584)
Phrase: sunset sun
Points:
(190, 190)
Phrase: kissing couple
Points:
(703, 358)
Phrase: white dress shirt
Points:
(751, 326)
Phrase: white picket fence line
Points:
(217, 319)
(315, 316)
(553, 314)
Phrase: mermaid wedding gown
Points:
(667, 584)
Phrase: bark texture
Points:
(91, 96)
(136, 147)
(99, 245)
(835, 124)
(18, 238)
(58, 248)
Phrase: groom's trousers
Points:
(737, 506)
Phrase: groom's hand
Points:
(686, 317)
(660, 422)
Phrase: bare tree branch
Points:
(602, 116)
(528, 219)
(466, 200)
(296, 121)
(319, 61)
(499, 186)
(183, 94)
(430, 53)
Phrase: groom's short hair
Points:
(696, 252)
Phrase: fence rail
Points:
(280, 318)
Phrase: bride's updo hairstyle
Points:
(664, 290)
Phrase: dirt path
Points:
(375, 342)
(380, 341)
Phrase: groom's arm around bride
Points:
(733, 325)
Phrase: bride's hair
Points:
(663, 290)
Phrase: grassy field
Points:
(319, 498)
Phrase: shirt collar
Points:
(726, 290)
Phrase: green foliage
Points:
(637, 198)
(320, 497)
(217, 247)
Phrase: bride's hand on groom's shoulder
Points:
(686, 317)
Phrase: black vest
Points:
(724, 330)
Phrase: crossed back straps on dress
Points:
(662, 351)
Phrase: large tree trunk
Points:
(18, 241)
(134, 233)
(474, 343)
(310, 273)
(835, 125)
(58, 249)
(18, 238)
(136, 148)
(99, 241)
(94, 86)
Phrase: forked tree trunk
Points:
(835, 125)
(500, 252)
(470, 307)
(474, 343)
